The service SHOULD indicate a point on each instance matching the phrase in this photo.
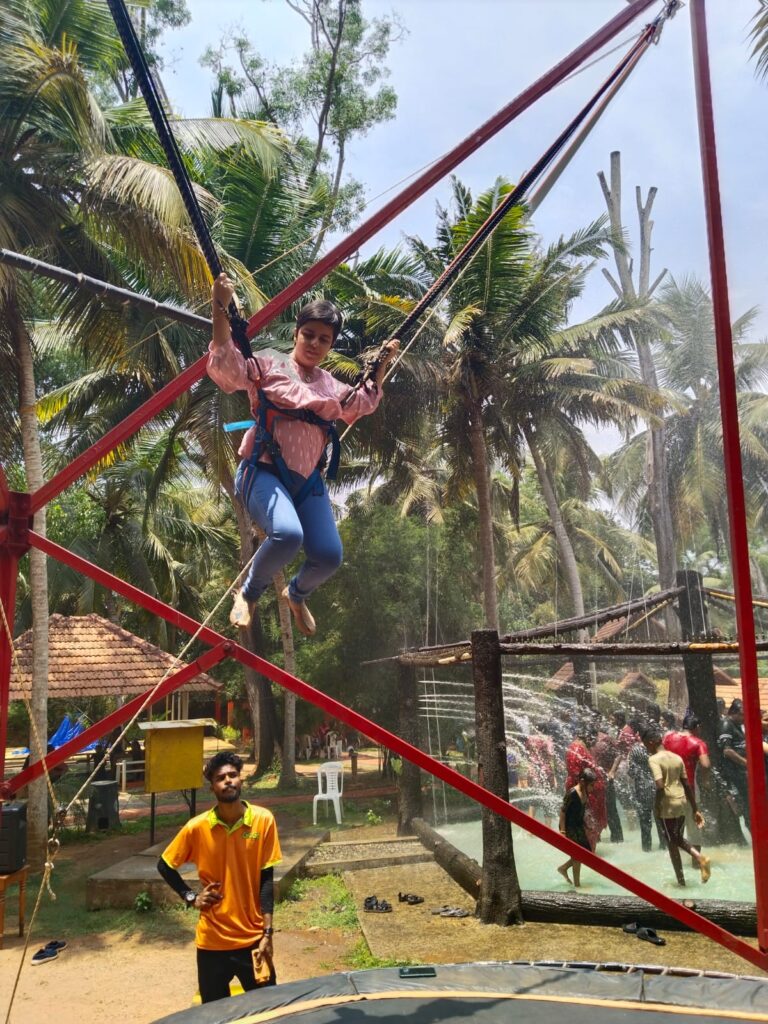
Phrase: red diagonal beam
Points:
(453, 778)
(737, 514)
(340, 252)
(123, 714)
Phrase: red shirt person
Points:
(687, 743)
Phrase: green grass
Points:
(67, 915)
(71, 836)
(318, 903)
(360, 958)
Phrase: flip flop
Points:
(649, 935)
(440, 910)
(631, 928)
(455, 912)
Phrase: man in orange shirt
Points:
(235, 847)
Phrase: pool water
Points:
(536, 862)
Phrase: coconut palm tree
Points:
(70, 194)
(512, 375)
(686, 358)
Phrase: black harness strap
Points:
(127, 32)
(515, 197)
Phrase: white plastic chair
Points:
(330, 785)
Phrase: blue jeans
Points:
(288, 528)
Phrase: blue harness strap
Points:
(268, 413)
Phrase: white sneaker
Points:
(242, 610)
(302, 616)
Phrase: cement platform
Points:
(119, 885)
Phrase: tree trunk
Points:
(288, 760)
(499, 901)
(258, 689)
(37, 806)
(657, 476)
(564, 546)
(481, 473)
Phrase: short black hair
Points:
(587, 775)
(619, 717)
(651, 734)
(691, 721)
(217, 761)
(323, 311)
(737, 707)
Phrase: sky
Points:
(462, 60)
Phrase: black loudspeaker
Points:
(13, 837)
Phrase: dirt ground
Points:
(106, 976)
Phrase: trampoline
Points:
(492, 993)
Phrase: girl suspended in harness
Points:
(294, 403)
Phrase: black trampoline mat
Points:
(486, 1008)
(492, 993)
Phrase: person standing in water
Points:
(572, 821)
(672, 795)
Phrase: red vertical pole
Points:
(742, 583)
(14, 525)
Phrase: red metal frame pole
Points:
(449, 775)
(729, 411)
(15, 520)
(345, 248)
(117, 718)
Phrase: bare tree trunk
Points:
(37, 806)
(657, 476)
(481, 472)
(288, 760)
(258, 689)
(585, 674)
(564, 546)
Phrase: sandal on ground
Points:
(242, 610)
(630, 928)
(455, 912)
(439, 910)
(302, 616)
(409, 898)
(649, 935)
(370, 902)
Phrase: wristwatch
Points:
(189, 897)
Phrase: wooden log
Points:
(580, 908)
(614, 911)
(462, 869)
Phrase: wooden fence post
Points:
(500, 900)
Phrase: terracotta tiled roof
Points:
(728, 688)
(638, 683)
(92, 657)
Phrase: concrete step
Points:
(120, 884)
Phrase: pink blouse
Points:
(284, 383)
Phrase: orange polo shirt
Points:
(234, 855)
